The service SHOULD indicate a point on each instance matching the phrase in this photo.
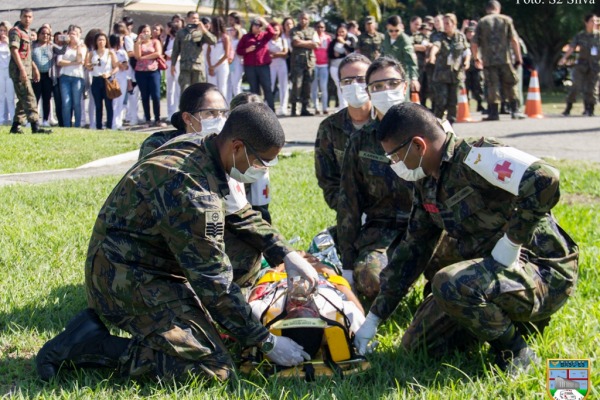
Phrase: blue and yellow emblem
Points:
(568, 379)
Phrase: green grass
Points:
(44, 231)
(64, 148)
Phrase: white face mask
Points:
(410, 175)
(213, 125)
(385, 99)
(251, 175)
(355, 94)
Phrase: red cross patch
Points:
(265, 192)
(503, 171)
(238, 188)
(431, 208)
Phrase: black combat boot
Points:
(513, 355)
(480, 107)
(591, 110)
(85, 342)
(16, 128)
(305, 112)
(35, 128)
(567, 111)
(293, 113)
(515, 113)
(504, 107)
(492, 113)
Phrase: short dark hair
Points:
(96, 37)
(351, 59)
(176, 16)
(493, 5)
(385, 62)
(190, 13)
(114, 40)
(406, 120)
(588, 17)
(25, 11)
(414, 18)
(191, 100)
(244, 98)
(256, 125)
(394, 20)
(128, 20)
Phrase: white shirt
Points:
(75, 71)
(101, 65)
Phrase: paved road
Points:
(574, 138)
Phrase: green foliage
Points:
(44, 230)
(64, 148)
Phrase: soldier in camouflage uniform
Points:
(451, 55)
(335, 130)
(304, 41)
(369, 42)
(369, 188)
(495, 201)
(399, 45)
(494, 34)
(21, 70)
(187, 48)
(420, 42)
(473, 75)
(157, 267)
(587, 68)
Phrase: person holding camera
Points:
(187, 49)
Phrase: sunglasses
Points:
(393, 30)
(263, 163)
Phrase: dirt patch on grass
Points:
(576, 198)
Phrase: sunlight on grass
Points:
(64, 148)
(44, 232)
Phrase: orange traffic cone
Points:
(463, 107)
(414, 97)
(533, 107)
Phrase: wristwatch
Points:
(268, 344)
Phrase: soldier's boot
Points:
(515, 112)
(588, 109)
(305, 112)
(504, 107)
(85, 342)
(513, 355)
(492, 113)
(568, 108)
(591, 112)
(16, 128)
(480, 107)
(35, 128)
(293, 113)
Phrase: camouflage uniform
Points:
(332, 137)
(478, 294)
(369, 186)
(429, 68)
(419, 38)
(587, 68)
(402, 50)
(449, 73)
(188, 44)
(474, 82)
(493, 36)
(26, 109)
(370, 45)
(245, 259)
(157, 268)
(302, 67)
(156, 140)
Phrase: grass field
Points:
(44, 230)
(64, 148)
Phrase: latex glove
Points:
(366, 333)
(347, 274)
(506, 252)
(286, 352)
(296, 265)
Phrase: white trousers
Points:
(279, 72)
(236, 70)
(221, 78)
(173, 89)
(119, 102)
(7, 97)
(334, 72)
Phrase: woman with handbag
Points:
(148, 51)
(103, 65)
